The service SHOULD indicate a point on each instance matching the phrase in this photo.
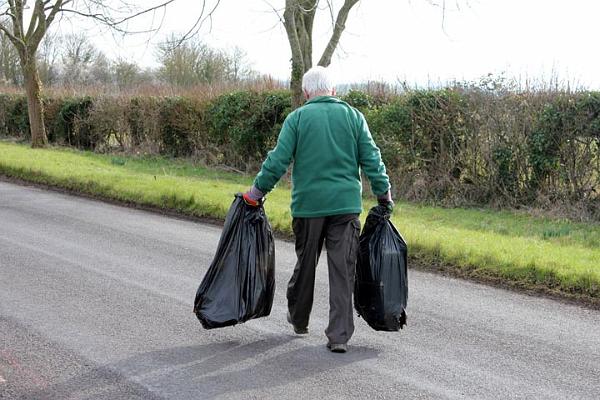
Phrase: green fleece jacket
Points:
(329, 142)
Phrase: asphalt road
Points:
(96, 303)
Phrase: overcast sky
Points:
(404, 40)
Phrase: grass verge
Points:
(515, 249)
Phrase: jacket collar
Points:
(324, 99)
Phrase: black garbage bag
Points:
(240, 282)
(381, 287)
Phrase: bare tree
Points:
(26, 37)
(238, 67)
(10, 71)
(127, 74)
(78, 56)
(298, 19)
(26, 40)
(100, 72)
(48, 53)
(191, 62)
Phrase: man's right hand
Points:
(251, 202)
(253, 197)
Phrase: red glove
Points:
(253, 197)
(251, 202)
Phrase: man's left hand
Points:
(386, 201)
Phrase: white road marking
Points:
(2, 380)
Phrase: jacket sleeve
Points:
(278, 159)
(369, 158)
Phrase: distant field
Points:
(529, 251)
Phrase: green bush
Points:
(16, 117)
(358, 99)
(438, 118)
(421, 136)
(507, 178)
(6, 101)
(563, 148)
(589, 105)
(72, 124)
(143, 116)
(247, 123)
(181, 126)
(52, 108)
(391, 126)
(544, 144)
(108, 121)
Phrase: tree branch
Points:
(55, 10)
(17, 10)
(331, 14)
(276, 11)
(200, 21)
(103, 19)
(292, 32)
(43, 22)
(7, 13)
(147, 10)
(307, 14)
(115, 24)
(340, 25)
(15, 40)
(36, 18)
(11, 14)
(13, 36)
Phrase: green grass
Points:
(516, 247)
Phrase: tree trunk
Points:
(290, 16)
(296, 84)
(34, 103)
(298, 19)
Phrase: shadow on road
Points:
(203, 371)
(276, 370)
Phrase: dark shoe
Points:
(337, 347)
(297, 330)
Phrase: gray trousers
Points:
(340, 234)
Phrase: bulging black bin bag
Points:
(240, 282)
(381, 287)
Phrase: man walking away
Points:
(329, 142)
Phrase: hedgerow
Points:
(452, 146)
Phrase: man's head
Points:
(317, 82)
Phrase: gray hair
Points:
(317, 80)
